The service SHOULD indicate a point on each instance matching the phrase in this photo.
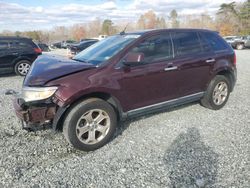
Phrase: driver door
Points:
(153, 80)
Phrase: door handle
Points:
(171, 68)
(210, 60)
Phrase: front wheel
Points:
(217, 93)
(90, 124)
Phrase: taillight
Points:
(234, 59)
(38, 50)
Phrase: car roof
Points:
(14, 38)
(151, 31)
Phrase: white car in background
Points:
(100, 37)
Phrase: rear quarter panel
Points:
(224, 62)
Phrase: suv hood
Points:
(47, 68)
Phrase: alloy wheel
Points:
(93, 126)
(23, 68)
(220, 93)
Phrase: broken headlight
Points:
(37, 93)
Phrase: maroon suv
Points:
(126, 75)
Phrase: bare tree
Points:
(79, 32)
(94, 28)
(149, 20)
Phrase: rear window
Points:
(213, 41)
(186, 43)
(4, 45)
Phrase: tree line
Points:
(230, 19)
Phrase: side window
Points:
(89, 44)
(4, 45)
(155, 48)
(186, 43)
(205, 43)
(83, 45)
(19, 44)
(14, 44)
(213, 41)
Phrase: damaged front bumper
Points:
(35, 116)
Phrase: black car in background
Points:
(17, 54)
(76, 48)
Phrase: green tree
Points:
(107, 27)
(174, 19)
(228, 8)
(244, 15)
(35, 35)
(228, 20)
(18, 33)
(161, 23)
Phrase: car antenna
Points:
(123, 32)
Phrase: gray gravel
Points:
(189, 146)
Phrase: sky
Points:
(25, 15)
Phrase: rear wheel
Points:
(217, 93)
(22, 67)
(90, 124)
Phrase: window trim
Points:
(190, 54)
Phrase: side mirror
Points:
(133, 58)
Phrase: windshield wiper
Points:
(82, 61)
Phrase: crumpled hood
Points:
(47, 67)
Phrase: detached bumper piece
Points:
(34, 117)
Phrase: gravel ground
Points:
(189, 146)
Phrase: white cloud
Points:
(18, 17)
(38, 9)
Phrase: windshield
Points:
(105, 49)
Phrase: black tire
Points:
(26, 65)
(208, 99)
(239, 46)
(74, 116)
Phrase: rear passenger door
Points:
(193, 61)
